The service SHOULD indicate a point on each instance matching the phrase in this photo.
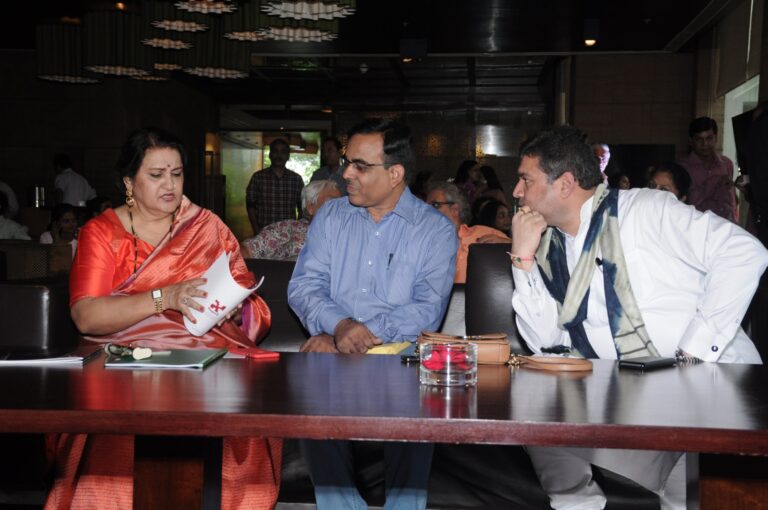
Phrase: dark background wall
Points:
(90, 123)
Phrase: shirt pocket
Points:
(399, 285)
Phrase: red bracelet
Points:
(516, 259)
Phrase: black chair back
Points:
(287, 333)
(488, 293)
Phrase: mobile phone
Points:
(409, 355)
(646, 363)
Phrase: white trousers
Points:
(566, 475)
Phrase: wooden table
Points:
(703, 408)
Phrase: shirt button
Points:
(714, 348)
(364, 290)
(370, 263)
(377, 233)
(359, 319)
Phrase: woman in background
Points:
(136, 275)
(469, 179)
(496, 215)
(63, 227)
(671, 177)
(493, 185)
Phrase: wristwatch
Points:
(157, 297)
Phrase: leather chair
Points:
(36, 317)
(489, 294)
(287, 333)
(35, 321)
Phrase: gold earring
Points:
(129, 200)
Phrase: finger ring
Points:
(184, 301)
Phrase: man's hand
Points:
(527, 228)
(353, 337)
(318, 343)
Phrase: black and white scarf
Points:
(571, 292)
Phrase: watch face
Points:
(157, 293)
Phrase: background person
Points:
(331, 168)
(71, 187)
(712, 187)
(496, 215)
(670, 176)
(274, 194)
(135, 276)
(63, 227)
(449, 200)
(285, 239)
(9, 229)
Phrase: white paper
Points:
(224, 294)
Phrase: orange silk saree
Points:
(96, 471)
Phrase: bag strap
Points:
(551, 363)
(433, 336)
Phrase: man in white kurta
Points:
(692, 275)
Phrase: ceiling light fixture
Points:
(309, 9)
(178, 25)
(206, 7)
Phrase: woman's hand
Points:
(235, 315)
(180, 296)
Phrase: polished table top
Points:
(705, 407)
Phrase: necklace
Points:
(135, 236)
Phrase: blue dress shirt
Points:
(394, 276)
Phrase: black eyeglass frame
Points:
(361, 166)
(438, 205)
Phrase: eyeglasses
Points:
(360, 166)
(438, 205)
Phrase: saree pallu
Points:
(96, 471)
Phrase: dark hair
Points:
(398, 147)
(565, 149)
(702, 124)
(615, 178)
(462, 173)
(420, 182)
(62, 161)
(60, 210)
(490, 177)
(679, 175)
(278, 141)
(333, 139)
(487, 213)
(94, 205)
(138, 143)
(3, 203)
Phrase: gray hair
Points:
(311, 192)
(453, 194)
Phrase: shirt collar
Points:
(585, 215)
(406, 207)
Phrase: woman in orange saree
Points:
(135, 276)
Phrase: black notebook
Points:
(37, 357)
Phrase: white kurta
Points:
(693, 275)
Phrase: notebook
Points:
(190, 359)
(44, 357)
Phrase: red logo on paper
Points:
(216, 307)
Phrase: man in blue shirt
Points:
(377, 267)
